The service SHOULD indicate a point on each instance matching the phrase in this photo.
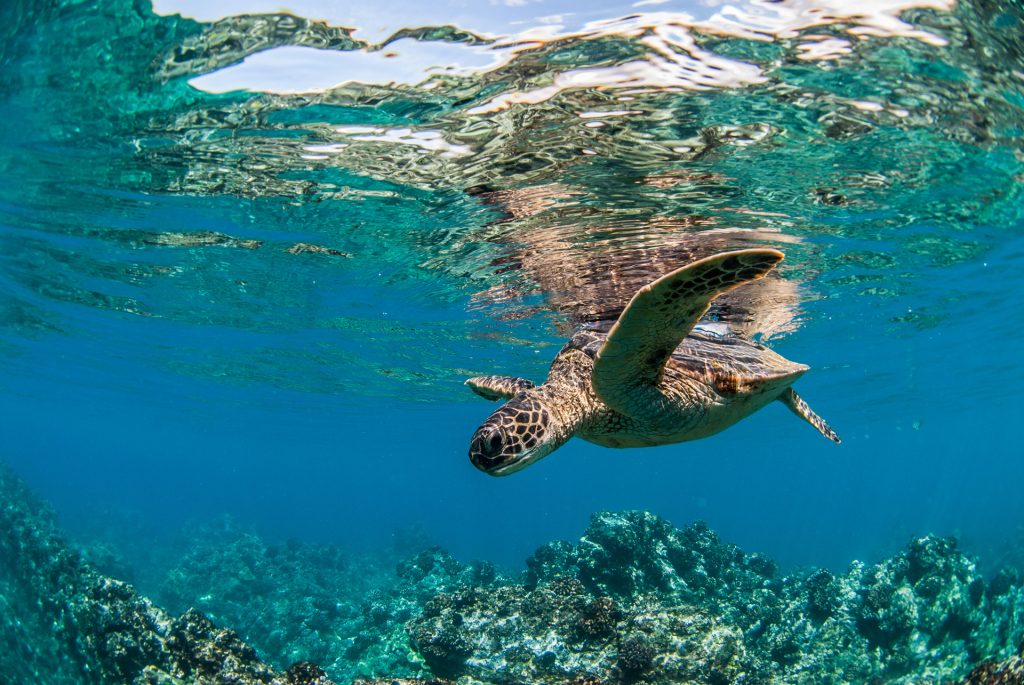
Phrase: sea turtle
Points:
(656, 376)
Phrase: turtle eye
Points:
(485, 451)
(494, 442)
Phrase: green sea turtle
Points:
(656, 376)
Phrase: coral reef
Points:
(403, 681)
(635, 600)
(65, 623)
(542, 636)
(299, 602)
(990, 672)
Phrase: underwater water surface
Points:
(249, 254)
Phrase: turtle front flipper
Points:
(800, 408)
(661, 315)
(498, 387)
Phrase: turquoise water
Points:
(171, 352)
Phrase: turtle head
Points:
(521, 432)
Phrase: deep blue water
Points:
(319, 397)
(928, 420)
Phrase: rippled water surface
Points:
(247, 258)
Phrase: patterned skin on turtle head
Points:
(513, 437)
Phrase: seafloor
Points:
(635, 600)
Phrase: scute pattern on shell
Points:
(729, 361)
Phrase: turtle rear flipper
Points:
(800, 408)
(661, 315)
(498, 387)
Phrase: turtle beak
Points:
(498, 453)
(486, 450)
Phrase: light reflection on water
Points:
(530, 163)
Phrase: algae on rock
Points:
(67, 624)
(635, 600)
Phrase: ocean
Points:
(250, 253)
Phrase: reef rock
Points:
(301, 602)
(559, 632)
(990, 672)
(925, 613)
(635, 600)
(404, 681)
(64, 622)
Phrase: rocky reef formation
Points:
(300, 602)
(62, 622)
(990, 672)
(635, 600)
